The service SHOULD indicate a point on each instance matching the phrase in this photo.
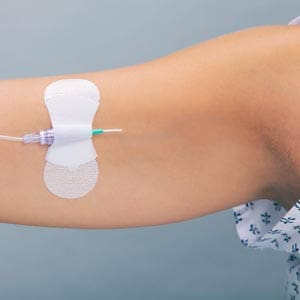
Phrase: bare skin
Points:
(206, 128)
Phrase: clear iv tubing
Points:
(11, 138)
(46, 137)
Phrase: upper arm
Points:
(186, 149)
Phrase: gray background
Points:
(199, 259)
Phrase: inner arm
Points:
(192, 142)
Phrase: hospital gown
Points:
(264, 223)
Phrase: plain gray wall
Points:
(199, 259)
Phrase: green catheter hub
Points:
(98, 131)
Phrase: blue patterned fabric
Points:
(263, 224)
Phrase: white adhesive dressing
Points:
(71, 170)
(69, 184)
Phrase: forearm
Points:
(189, 146)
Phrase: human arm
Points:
(193, 140)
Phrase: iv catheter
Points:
(46, 137)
